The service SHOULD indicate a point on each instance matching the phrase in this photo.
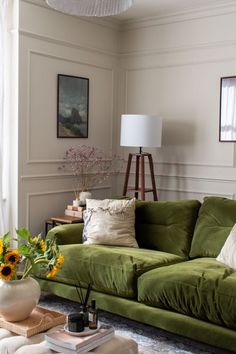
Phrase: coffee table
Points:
(11, 343)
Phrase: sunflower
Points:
(12, 257)
(7, 271)
(52, 272)
(42, 245)
(60, 260)
(34, 239)
(1, 246)
(56, 267)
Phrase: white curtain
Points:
(228, 109)
(5, 62)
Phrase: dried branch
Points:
(91, 166)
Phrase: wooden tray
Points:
(39, 320)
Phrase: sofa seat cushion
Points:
(110, 269)
(202, 288)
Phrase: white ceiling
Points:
(151, 8)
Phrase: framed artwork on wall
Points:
(227, 130)
(72, 106)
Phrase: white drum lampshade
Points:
(141, 130)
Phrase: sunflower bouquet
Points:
(34, 255)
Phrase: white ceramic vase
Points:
(18, 298)
(76, 202)
(83, 196)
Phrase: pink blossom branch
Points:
(91, 166)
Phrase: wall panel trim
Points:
(187, 191)
(63, 43)
(31, 52)
(192, 178)
(225, 8)
(31, 195)
(178, 49)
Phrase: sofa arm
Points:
(67, 234)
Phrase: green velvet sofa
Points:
(172, 281)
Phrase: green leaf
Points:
(23, 233)
(5, 237)
(24, 249)
(35, 268)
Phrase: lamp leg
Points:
(142, 177)
(127, 175)
(137, 176)
(152, 177)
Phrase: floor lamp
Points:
(141, 131)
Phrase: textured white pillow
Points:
(228, 252)
(110, 222)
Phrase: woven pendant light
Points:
(97, 8)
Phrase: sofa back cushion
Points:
(217, 216)
(166, 226)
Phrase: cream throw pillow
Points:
(228, 252)
(110, 222)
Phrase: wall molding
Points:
(66, 44)
(192, 178)
(49, 161)
(147, 174)
(195, 178)
(29, 159)
(187, 163)
(68, 59)
(60, 191)
(178, 49)
(50, 176)
(227, 8)
(155, 163)
(187, 191)
(193, 164)
(193, 62)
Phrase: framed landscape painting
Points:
(72, 106)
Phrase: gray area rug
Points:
(150, 340)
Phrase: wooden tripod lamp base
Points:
(140, 173)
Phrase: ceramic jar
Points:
(18, 298)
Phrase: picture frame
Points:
(72, 106)
(227, 120)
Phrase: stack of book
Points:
(75, 211)
(63, 342)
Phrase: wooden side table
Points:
(60, 220)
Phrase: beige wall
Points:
(169, 66)
(52, 43)
(172, 67)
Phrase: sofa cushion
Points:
(110, 222)
(217, 216)
(110, 269)
(228, 252)
(202, 288)
(166, 226)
